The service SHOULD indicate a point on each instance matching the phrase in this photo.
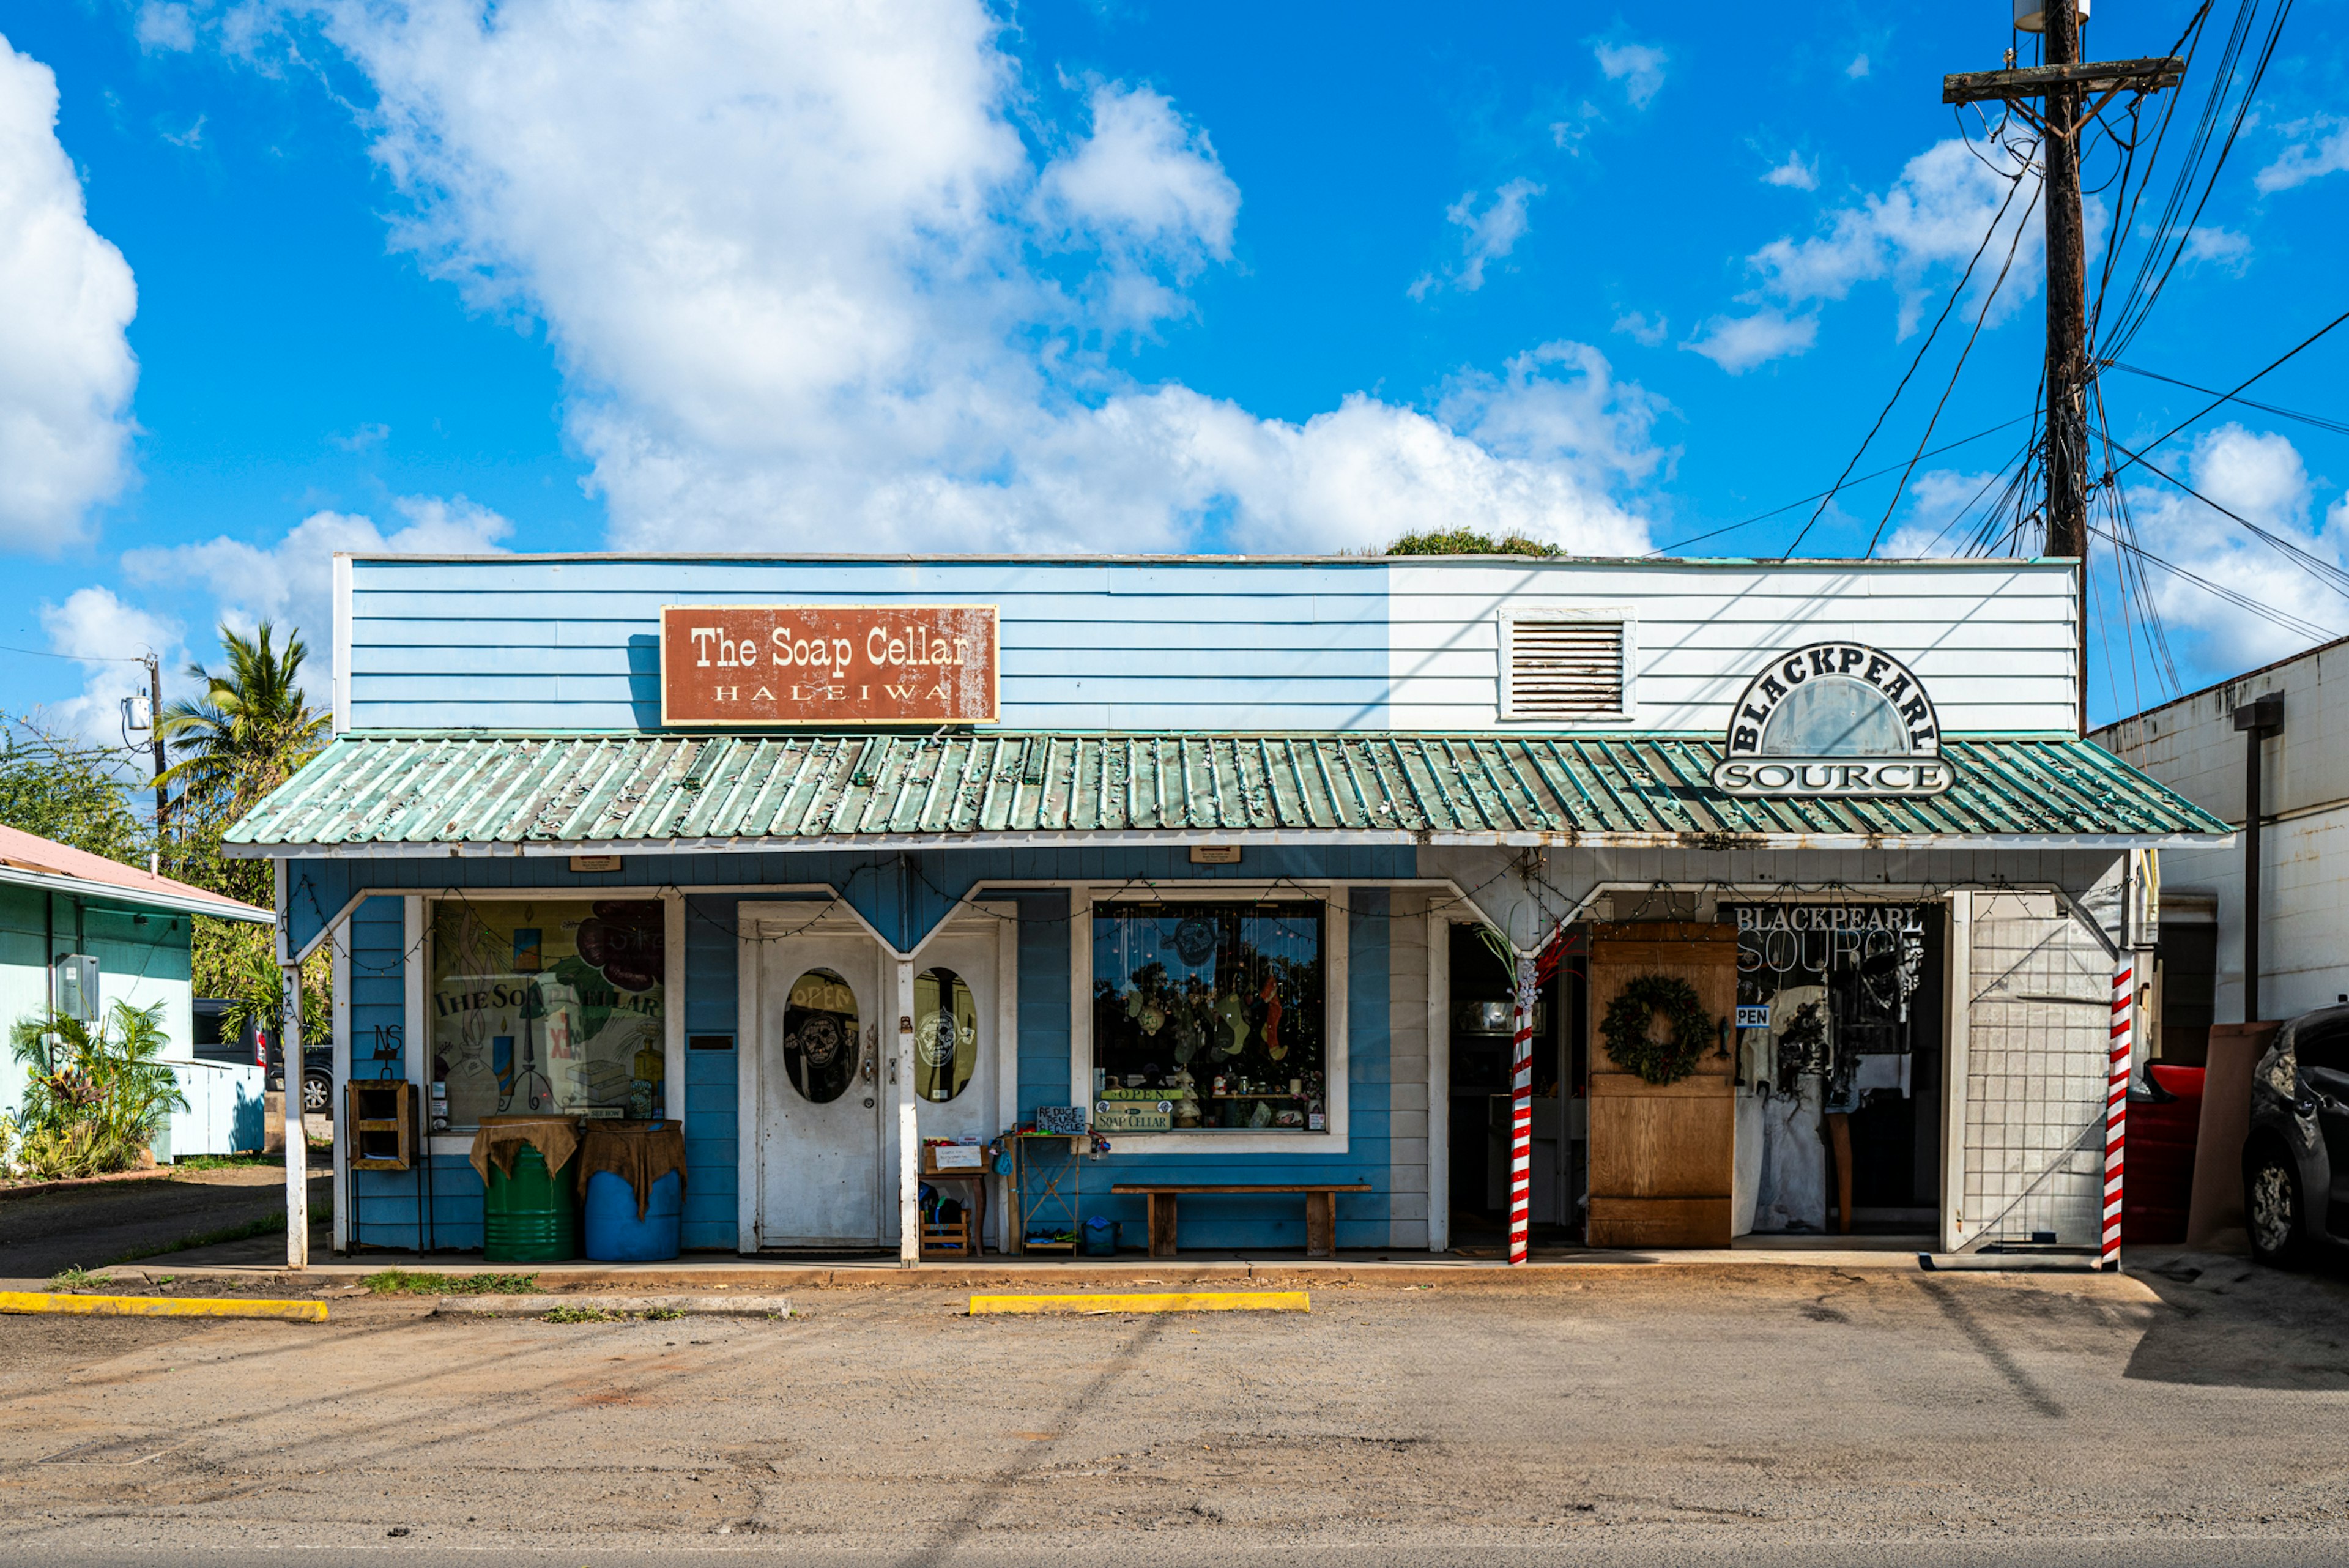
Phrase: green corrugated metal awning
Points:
(573, 793)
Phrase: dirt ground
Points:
(90, 1226)
(1765, 1413)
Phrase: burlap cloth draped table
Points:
(501, 1139)
(639, 1153)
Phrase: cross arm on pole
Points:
(2088, 76)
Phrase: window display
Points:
(823, 1047)
(945, 1034)
(1826, 1020)
(549, 1006)
(1209, 1016)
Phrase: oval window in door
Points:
(821, 1045)
(945, 1034)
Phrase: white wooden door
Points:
(823, 1093)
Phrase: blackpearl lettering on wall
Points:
(1835, 719)
(730, 666)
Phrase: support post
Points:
(1521, 1113)
(909, 1136)
(289, 1053)
(2116, 1088)
(2257, 719)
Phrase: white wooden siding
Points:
(571, 643)
(1994, 640)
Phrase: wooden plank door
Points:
(1661, 1154)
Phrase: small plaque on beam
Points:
(1214, 855)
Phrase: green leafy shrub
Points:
(93, 1098)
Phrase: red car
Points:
(2158, 1156)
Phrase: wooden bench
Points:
(1320, 1208)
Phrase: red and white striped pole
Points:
(2116, 1088)
(1521, 1109)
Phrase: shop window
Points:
(945, 1034)
(823, 1047)
(548, 1007)
(1209, 1016)
(1835, 716)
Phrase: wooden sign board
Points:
(728, 665)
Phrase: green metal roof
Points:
(573, 793)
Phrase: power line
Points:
(1955, 371)
(2284, 618)
(1877, 473)
(2014, 184)
(2224, 397)
(2324, 571)
(2338, 427)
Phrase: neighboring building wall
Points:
(2192, 746)
(142, 958)
(550, 644)
(1407, 1116)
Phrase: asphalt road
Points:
(1749, 1415)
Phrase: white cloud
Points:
(164, 26)
(2224, 246)
(1918, 236)
(1636, 325)
(97, 629)
(1794, 173)
(2318, 146)
(1639, 67)
(1858, 69)
(65, 297)
(290, 583)
(1490, 235)
(2262, 478)
(1739, 343)
(810, 287)
(364, 437)
(1568, 134)
(1935, 500)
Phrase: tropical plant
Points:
(70, 792)
(239, 963)
(93, 1097)
(251, 728)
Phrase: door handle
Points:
(868, 1067)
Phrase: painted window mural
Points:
(551, 1007)
(945, 1034)
(1209, 1016)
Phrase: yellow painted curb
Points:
(161, 1307)
(1193, 1301)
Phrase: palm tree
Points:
(251, 728)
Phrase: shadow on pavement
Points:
(2234, 1324)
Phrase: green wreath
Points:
(1625, 1028)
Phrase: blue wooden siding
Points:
(712, 1178)
(902, 893)
(557, 645)
(440, 1206)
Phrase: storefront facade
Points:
(828, 857)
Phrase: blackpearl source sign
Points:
(1833, 719)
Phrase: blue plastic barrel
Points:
(614, 1235)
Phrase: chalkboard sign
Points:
(1059, 1119)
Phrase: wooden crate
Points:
(949, 1237)
(382, 1124)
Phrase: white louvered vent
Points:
(1565, 667)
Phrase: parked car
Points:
(215, 1042)
(2296, 1148)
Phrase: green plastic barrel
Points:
(529, 1217)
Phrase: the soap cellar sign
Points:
(733, 665)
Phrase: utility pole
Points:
(2061, 85)
(155, 746)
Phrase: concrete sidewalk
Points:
(264, 1256)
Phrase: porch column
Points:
(289, 1051)
(909, 1137)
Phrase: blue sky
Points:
(289, 278)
